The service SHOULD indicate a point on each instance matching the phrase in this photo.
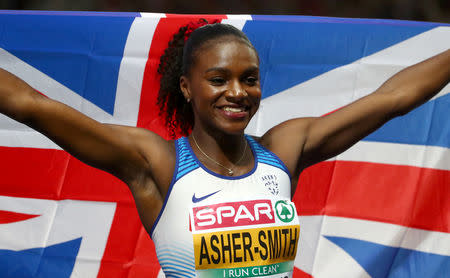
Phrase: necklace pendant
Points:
(230, 172)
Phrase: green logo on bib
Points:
(285, 211)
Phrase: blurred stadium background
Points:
(422, 10)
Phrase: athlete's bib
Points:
(255, 238)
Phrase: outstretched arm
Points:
(312, 140)
(115, 149)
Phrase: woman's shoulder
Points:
(286, 141)
(278, 135)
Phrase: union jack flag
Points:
(380, 209)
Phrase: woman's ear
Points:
(184, 86)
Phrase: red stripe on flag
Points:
(83, 182)
(403, 195)
(7, 217)
(145, 263)
(196, 16)
(55, 175)
(123, 249)
(32, 173)
(298, 273)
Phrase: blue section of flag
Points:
(55, 261)
(77, 13)
(303, 51)
(428, 125)
(381, 261)
(321, 19)
(81, 52)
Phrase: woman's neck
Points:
(221, 151)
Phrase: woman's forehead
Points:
(226, 53)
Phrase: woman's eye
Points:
(217, 81)
(251, 80)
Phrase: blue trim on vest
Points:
(267, 157)
(175, 173)
(186, 162)
(175, 261)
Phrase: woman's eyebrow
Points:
(219, 69)
(252, 69)
(225, 70)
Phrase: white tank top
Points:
(218, 226)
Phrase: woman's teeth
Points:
(233, 109)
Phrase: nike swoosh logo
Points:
(196, 200)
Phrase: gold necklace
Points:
(230, 170)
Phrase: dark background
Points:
(423, 10)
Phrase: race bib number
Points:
(255, 238)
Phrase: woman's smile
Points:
(235, 112)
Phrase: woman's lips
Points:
(234, 112)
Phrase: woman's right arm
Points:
(119, 150)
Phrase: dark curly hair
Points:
(177, 60)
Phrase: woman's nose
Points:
(236, 91)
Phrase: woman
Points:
(218, 197)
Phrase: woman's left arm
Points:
(305, 141)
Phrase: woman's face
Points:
(223, 85)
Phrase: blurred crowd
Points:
(423, 10)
